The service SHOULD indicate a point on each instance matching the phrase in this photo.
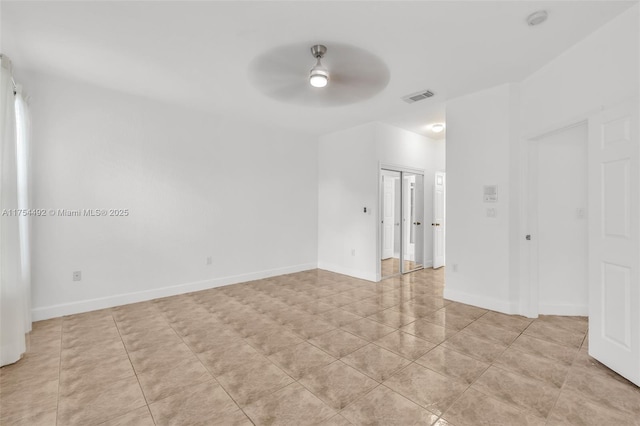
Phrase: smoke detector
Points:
(537, 18)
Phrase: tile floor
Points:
(391, 266)
(313, 348)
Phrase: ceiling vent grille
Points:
(418, 96)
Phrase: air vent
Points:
(418, 96)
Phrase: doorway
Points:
(558, 187)
(401, 221)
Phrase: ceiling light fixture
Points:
(537, 18)
(319, 75)
(438, 127)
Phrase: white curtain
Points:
(15, 316)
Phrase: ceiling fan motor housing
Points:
(318, 50)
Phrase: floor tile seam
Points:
(459, 353)
(549, 340)
(236, 402)
(372, 378)
(59, 371)
(378, 384)
(431, 341)
(136, 375)
(57, 392)
(195, 355)
(323, 350)
(540, 357)
(590, 398)
(443, 411)
(420, 405)
(405, 367)
(574, 356)
(140, 386)
(568, 318)
(339, 412)
(562, 389)
(510, 404)
(491, 363)
(271, 392)
(365, 338)
(524, 378)
(501, 327)
(465, 353)
(400, 355)
(345, 331)
(297, 381)
(469, 385)
(507, 346)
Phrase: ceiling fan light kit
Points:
(319, 75)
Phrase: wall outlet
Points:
(77, 275)
(454, 267)
(353, 252)
(209, 260)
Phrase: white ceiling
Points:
(198, 54)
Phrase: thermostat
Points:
(490, 193)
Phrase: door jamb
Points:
(529, 287)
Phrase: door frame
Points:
(444, 217)
(530, 277)
(383, 188)
(528, 303)
(528, 290)
(379, 215)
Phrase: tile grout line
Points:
(59, 370)
(135, 372)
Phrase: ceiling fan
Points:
(343, 74)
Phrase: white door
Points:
(388, 216)
(614, 234)
(408, 192)
(438, 220)
(417, 222)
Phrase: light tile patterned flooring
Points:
(313, 348)
(391, 266)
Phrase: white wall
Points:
(600, 70)
(487, 135)
(195, 186)
(478, 154)
(348, 182)
(349, 163)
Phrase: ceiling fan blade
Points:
(355, 75)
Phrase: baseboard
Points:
(55, 311)
(481, 301)
(567, 310)
(347, 271)
(428, 264)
